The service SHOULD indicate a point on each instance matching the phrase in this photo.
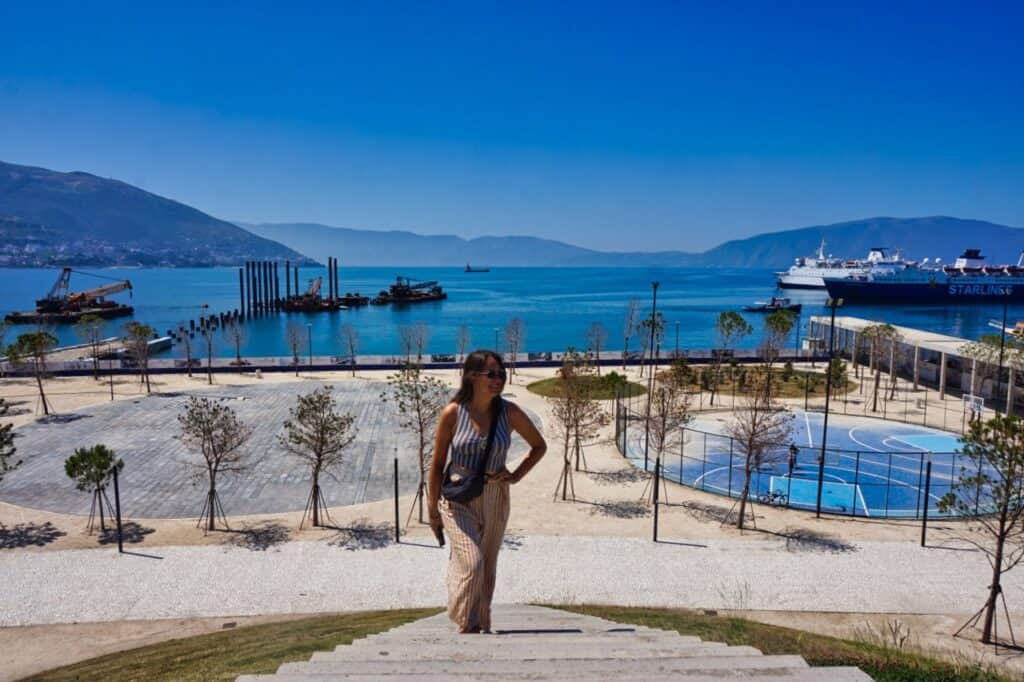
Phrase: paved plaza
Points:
(157, 481)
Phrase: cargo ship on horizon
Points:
(968, 280)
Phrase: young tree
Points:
(407, 339)
(209, 337)
(670, 409)
(295, 335)
(515, 337)
(213, 430)
(629, 328)
(730, 328)
(91, 469)
(235, 334)
(136, 342)
(419, 399)
(7, 449)
(596, 337)
(420, 339)
(350, 339)
(31, 349)
(759, 429)
(657, 323)
(317, 434)
(577, 413)
(185, 340)
(882, 340)
(990, 494)
(777, 327)
(89, 328)
(463, 337)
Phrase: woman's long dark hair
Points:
(475, 362)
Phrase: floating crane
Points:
(408, 290)
(62, 305)
(310, 301)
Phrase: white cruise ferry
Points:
(810, 273)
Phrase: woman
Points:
(476, 528)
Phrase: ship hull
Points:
(806, 283)
(859, 291)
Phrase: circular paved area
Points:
(157, 481)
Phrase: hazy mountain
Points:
(370, 247)
(918, 237)
(936, 236)
(51, 218)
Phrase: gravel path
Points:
(369, 572)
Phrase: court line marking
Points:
(807, 422)
(860, 442)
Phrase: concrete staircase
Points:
(537, 643)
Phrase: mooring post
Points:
(287, 279)
(398, 527)
(277, 286)
(241, 287)
(924, 515)
(295, 270)
(117, 515)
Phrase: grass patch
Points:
(786, 381)
(228, 654)
(881, 662)
(603, 387)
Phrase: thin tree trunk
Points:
(42, 394)
(996, 587)
(743, 501)
(145, 371)
(210, 522)
(316, 499)
(878, 380)
(99, 499)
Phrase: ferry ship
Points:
(968, 280)
(810, 273)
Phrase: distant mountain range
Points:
(50, 218)
(931, 237)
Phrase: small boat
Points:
(776, 303)
(470, 268)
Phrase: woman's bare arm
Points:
(522, 425)
(442, 440)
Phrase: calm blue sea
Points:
(557, 305)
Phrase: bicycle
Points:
(773, 497)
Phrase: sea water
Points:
(557, 306)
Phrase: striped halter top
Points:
(468, 443)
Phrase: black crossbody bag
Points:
(462, 484)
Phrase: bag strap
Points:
(481, 468)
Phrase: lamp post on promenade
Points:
(650, 372)
(677, 339)
(496, 344)
(831, 304)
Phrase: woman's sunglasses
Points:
(491, 374)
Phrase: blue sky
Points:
(630, 126)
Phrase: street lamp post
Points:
(831, 304)
(677, 339)
(650, 373)
(496, 344)
(309, 335)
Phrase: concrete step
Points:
(596, 667)
(554, 653)
(774, 675)
(521, 640)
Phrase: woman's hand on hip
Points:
(503, 476)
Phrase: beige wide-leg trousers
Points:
(475, 532)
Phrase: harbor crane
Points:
(61, 300)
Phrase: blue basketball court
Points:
(872, 468)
